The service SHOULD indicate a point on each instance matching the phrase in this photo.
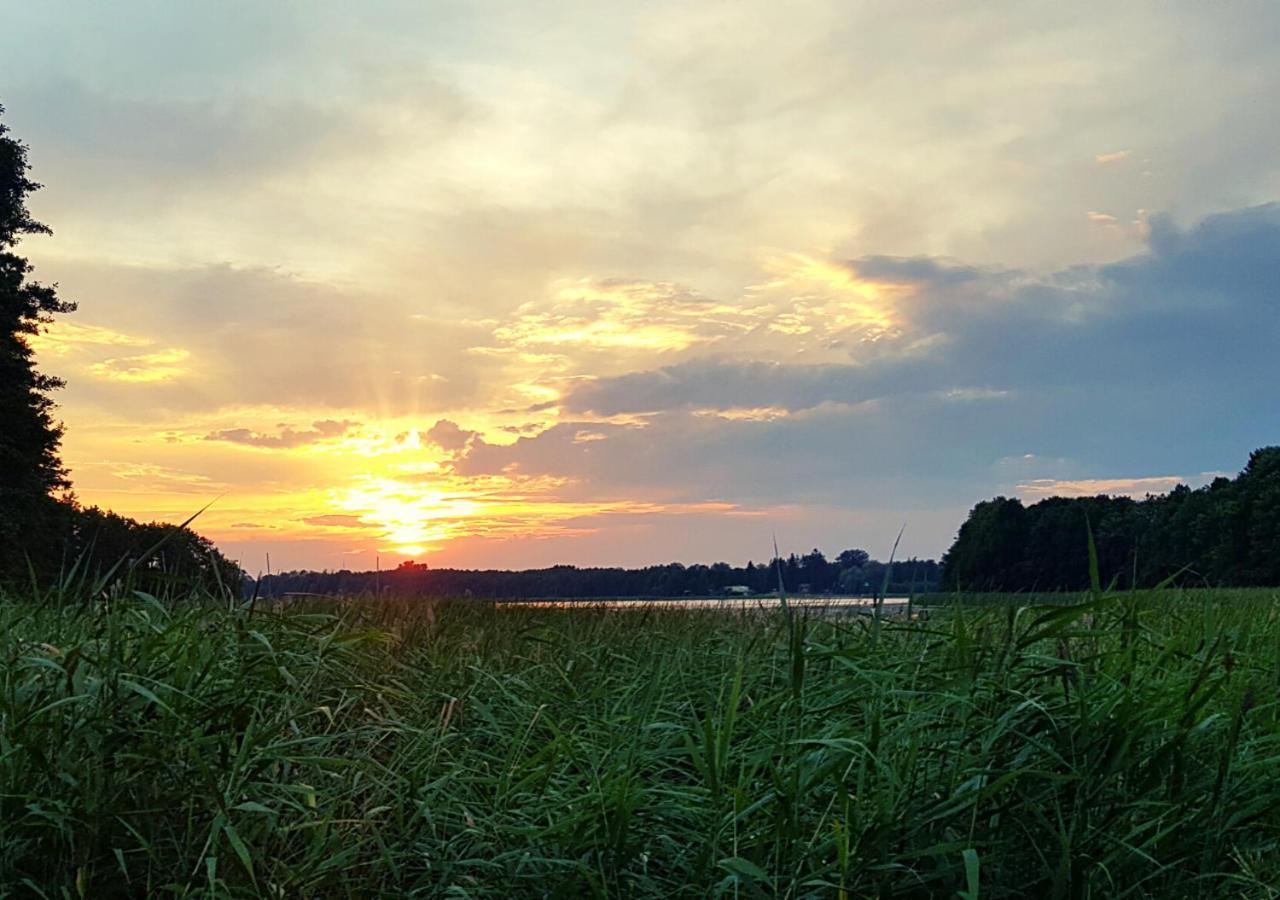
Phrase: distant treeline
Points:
(1224, 534)
(851, 572)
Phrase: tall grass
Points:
(1105, 746)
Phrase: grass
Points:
(1099, 745)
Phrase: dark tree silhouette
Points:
(39, 529)
(1225, 534)
(30, 469)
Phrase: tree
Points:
(30, 469)
(38, 527)
(1259, 487)
(988, 552)
(1226, 533)
(853, 559)
(816, 572)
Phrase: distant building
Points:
(737, 590)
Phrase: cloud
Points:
(1193, 293)
(611, 315)
(696, 266)
(65, 336)
(1137, 488)
(286, 438)
(449, 436)
(1091, 487)
(144, 146)
(1118, 156)
(895, 385)
(723, 384)
(334, 520)
(265, 337)
(147, 368)
(918, 270)
(140, 477)
(1160, 360)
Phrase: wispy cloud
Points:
(286, 438)
(1113, 157)
(65, 336)
(146, 368)
(1136, 488)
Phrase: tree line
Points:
(1224, 534)
(850, 572)
(45, 532)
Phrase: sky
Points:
(503, 285)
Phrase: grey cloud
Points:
(725, 384)
(917, 269)
(112, 147)
(266, 337)
(856, 457)
(1164, 362)
(1194, 313)
(144, 139)
(323, 429)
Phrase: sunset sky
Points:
(514, 284)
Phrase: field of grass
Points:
(1111, 746)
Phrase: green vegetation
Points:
(1122, 745)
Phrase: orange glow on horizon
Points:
(356, 482)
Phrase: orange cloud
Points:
(320, 430)
(1118, 156)
(1091, 487)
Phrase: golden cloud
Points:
(63, 337)
(634, 315)
(147, 368)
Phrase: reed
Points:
(1100, 744)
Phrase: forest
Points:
(1225, 534)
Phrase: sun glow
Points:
(411, 518)
(610, 315)
(341, 481)
(836, 291)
